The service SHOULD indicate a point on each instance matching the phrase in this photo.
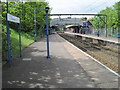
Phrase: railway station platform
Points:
(67, 67)
(106, 41)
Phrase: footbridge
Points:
(66, 21)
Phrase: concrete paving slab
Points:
(89, 64)
(108, 85)
(103, 76)
(60, 71)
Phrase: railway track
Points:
(104, 54)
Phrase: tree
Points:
(25, 11)
(112, 17)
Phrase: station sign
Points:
(13, 18)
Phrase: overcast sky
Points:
(79, 6)
(76, 6)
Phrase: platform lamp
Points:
(47, 31)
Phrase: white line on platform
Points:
(92, 58)
(26, 59)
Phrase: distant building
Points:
(87, 27)
(75, 25)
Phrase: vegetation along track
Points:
(104, 55)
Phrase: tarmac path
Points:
(66, 68)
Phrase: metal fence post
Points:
(98, 26)
(47, 34)
(20, 45)
(106, 26)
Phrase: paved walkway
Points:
(67, 68)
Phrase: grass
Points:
(26, 39)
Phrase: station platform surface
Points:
(67, 68)
(108, 39)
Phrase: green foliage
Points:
(58, 29)
(112, 17)
(25, 11)
(25, 37)
(4, 44)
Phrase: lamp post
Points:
(35, 16)
(47, 28)
(35, 34)
(47, 31)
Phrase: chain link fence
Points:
(111, 32)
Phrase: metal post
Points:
(47, 30)
(98, 26)
(106, 25)
(86, 27)
(20, 45)
(35, 34)
(8, 38)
